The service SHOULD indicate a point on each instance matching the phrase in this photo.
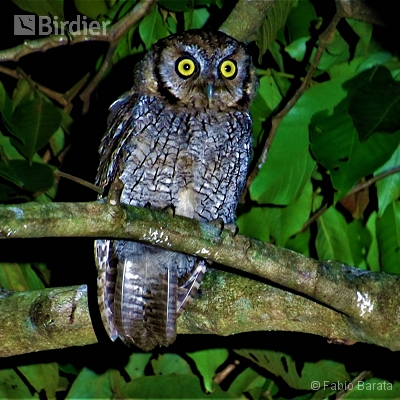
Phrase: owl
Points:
(180, 139)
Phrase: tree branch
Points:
(357, 188)
(246, 18)
(366, 303)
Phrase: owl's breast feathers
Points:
(191, 159)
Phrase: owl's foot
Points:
(170, 210)
(218, 223)
(114, 194)
(232, 229)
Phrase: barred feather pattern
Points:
(166, 151)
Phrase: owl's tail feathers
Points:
(107, 272)
(190, 285)
(145, 297)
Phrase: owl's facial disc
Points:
(200, 69)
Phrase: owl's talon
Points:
(147, 205)
(114, 194)
(232, 229)
(219, 224)
(170, 210)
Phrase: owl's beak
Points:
(209, 92)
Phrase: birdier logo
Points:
(26, 25)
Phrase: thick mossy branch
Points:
(366, 303)
(246, 18)
(44, 320)
(59, 317)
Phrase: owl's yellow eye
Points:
(185, 67)
(228, 69)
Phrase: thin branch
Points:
(314, 217)
(369, 182)
(47, 43)
(324, 39)
(353, 384)
(225, 372)
(357, 188)
(80, 181)
(17, 74)
(118, 30)
(105, 66)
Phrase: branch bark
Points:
(332, 299)
(246, 18)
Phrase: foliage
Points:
(344, 130)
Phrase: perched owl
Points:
(181, 138)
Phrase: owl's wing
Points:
(118, 130)
(188, 289)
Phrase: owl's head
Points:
(199, 69)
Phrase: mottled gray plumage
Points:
(180, 138)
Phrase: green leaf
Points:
(376, 74)
(12, 386)
(300, 20)
(336, 145)
(337, 52)
(359, 241)
(300, 243)
(6, 105)
(283, 365)
(171, 386)
(8, 174)
(279, 223)
(177, 5)
(196, 18)
(376, 108)
(275, 20)
(247, 380)
(388, 233)
(297, 48)
(207, 362)
(364, 32)
(269, 91)
(373, 250)
(35, 177)
(89, 385)
(389, 187)
(45, 8)
(42, 377)
(170, 363)
(333, 240)
(124, 48)
(23, 92)
(152, 28)
(19, 277)
(92, 9)
(137, 364)
(289, 166)
(33, 123)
